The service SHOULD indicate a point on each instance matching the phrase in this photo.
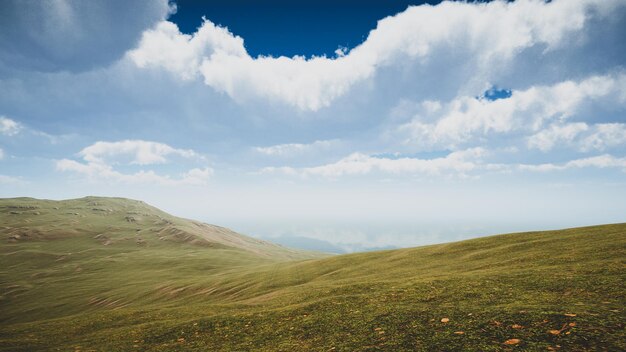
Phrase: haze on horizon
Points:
(433, 124)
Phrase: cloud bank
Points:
(459, 163)
(469, 118)
(487, 36)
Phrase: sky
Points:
(340, 125)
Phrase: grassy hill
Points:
(119, 221)
(149, 288)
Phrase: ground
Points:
(64, 289)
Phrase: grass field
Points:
(130, 277)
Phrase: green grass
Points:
(68, 291)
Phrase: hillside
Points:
(120, 221)
(553, 290)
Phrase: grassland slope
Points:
(537, 291)
(112, 221)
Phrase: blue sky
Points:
(280, 27)
(363, 126)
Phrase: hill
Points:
(120, 221)
(553, 290)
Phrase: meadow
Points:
(112, 274)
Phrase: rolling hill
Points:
(119, 221)
(111, 274)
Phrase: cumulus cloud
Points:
(580, 135)
(165, 46)
(140, 152)
(73, 35)
(466, 118)
(556, 133)
(459, 162)
(291, 149)
(196, 176)
(9, 127)
(488, 35)
(604, 136)
(97, 165)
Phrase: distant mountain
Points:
(312, 244)
(308, 244)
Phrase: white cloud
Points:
(466, 118)
(601, 161)
(96, 171)
(196, 176)
(580, 136)
(9, 127)
(165, 46)
(488, 34)
(140, 152)
(1, 154)
(556, 133)
(605, 136)
(291, 149)
(459, 162)
(97, 167)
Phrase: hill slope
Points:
(119, 221)
(559, 290)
